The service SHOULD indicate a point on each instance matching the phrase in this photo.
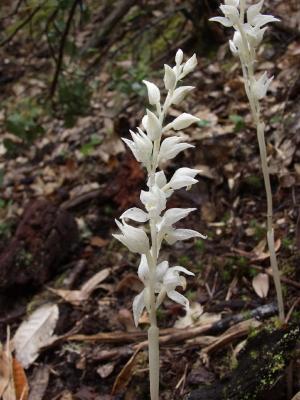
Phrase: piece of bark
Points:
(260, 366)
(43, 239)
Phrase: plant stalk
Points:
(249, 79)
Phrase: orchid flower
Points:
(152, 151)
(249, 29)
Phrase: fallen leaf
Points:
(35, 333)
(20, 381)
(76, 297)
(97, 241)
(260, 284)
(105, 370)
(39, 383)
(191, 317)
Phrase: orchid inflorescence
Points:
(249, 29)
(159, 279)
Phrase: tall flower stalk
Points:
(249, 28)
(159, 279)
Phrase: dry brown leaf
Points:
(39, 383)
(20, 381)
(76, 297)
(297, 396)
(97, 241)
(34, 333)
(260, 284)
(105, 370)
(137, 361)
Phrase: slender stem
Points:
(247, 62)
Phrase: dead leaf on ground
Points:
(105, 370)
(39, 383)
(260, 284)
(137, 361)
(35, 333)
(76, 297)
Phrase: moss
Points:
(24, 259)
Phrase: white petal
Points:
(234, 3)
(182, 234)
(134, 238)
(189, 66)
(153, 93)
(170, 78)
(174, 215)
(179, 57)
(161, 269)
(136, 214)
(222, 20)
(152, 125)
(183, 121)
(182, 269)
(254, 10)
(231, 12)
(261, 20)
(138, 307)
(180, 93)
(131, 145)
(178, 298)
(143, 270)
(233, 49)
(171, 147)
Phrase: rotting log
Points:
(43, 239)
(261, 364)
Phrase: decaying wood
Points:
(260, 365)
(43, 239)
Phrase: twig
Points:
(62, 47)
(21, 25)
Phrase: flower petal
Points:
(178, 298)
(222, 20)
(136, 214)
(138, 307)
(182, 234)
(153, 93)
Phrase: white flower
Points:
(153, 93)
(152, 125)
(170, 147)
(182, 234)
(222, 20)
(170, 78)
(154, 201)
(231, 12)
(179, 57)
(134, 238)
(135, 214)
(189, 66)
(183, 177)
(166, 230)
(166, 281)
(260, 87)
(183, 121)
(256, 19)
(160, 179)
(141, 147)
(180, 93)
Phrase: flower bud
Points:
(179, 57)
(183, 121)
(153, 93)
(189, 66)
(170, 78)
(152, 125)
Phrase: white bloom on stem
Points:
(170, 147)
(166, 281)
(231, 12)
(222, 20)
(154, 201)
(183, 177)
(141, 147)
(256, 19)
(180, 93)
(135, 214)
(189, 66)
(170, 78)
(182, 234)
(261, 86)
(152, 125)
(179, 57)
(153, 93)
(134, 238)
(183, 121)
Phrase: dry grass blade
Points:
(35, 333)
(76, 297)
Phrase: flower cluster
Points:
(249, 32)
(152, 152)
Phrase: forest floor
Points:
(74, 181)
